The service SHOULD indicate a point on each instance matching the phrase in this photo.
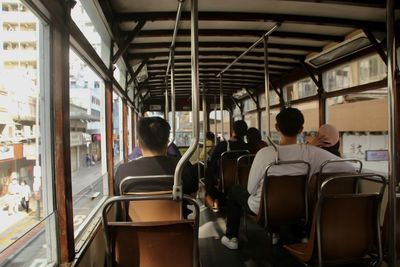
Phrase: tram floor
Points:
(252, 250)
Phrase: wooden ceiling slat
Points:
(132, 56)
(244, 16)
(224, 45)
(241, 32)
(227, 60)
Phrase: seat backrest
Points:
(385, 229)
(243, 166)
(151, 244)
(347, 225)
(285, 196)
(154, 210)
(228, 167)
(339, 186)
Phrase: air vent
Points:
(343, 49)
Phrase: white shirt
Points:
(313, 155)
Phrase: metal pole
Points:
(204, 127)
(221, 106)
(250, 48)
(177, 189)
(266, 76)
(173, 95)
(172, 47)
(215, 120)
(166, 100)
(393, 156)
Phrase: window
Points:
(215, 123)
(273, 99)
(372, 69)
(251, 119)
(27, 219)
(118, 146)
(88, 156)
(85, 16)
(130, 130)
(300, 89)
(183, 132)
(310, 112)
(338, 78)
(362, 121)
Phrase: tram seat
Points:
(154, 210)
(344, 186)
(243, 166)
(168, 243)
(228, 168)
(345, 227)
(385, 230)
(283, 200)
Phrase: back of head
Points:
(153, 133)
(253, 135)
(290, 121)
(210, 136)
(329, 134)
(240, 129)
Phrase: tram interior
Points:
(329, 59)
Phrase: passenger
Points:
(209, 146)
(25, 194)
(14, 195)
(153, 141)
(254, 140)
(328, 139)
(236, 142)
(289, 123)
(173, 151)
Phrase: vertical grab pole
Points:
(166, 100)
(173, 94)
(266, 78)
(204, 104)
(393, 154)
(215, 120)
(177, 189)
(221, 106)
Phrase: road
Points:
(86, 182)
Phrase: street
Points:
(87, 188)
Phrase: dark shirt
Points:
(173, 151)
(221, 148)
(257, 146)
(159, 165)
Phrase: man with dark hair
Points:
(289, 122)
(153, 133)
(254, 140)
(236, 142)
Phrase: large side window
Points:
(215, 123)
(27, 227)
(117, 130)
(87, 125)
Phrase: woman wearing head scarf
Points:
(328, 139)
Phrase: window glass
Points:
(273, 99)
(130, 130)
(338, 78)
(372, 69)
(215, 123)
(87, 125)
(310, 112)
(251, 119)
(183, 132)
(117, 130)
(84, 16)
(301, 89)
(249, 104)
(362, 120)
(274, 133)
(26, 180)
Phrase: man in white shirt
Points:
(289, 123)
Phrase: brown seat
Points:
(228, 167)
(345, 227)
(276, 208)
(149, 244)
(340, 186)
(243, 166)
(385, 230)
(154, 210)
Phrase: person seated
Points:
(254, 140)
(209, 146)
(328, 139)
(173, 151)
(289, 123)
(236, 142)
(153, 135)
